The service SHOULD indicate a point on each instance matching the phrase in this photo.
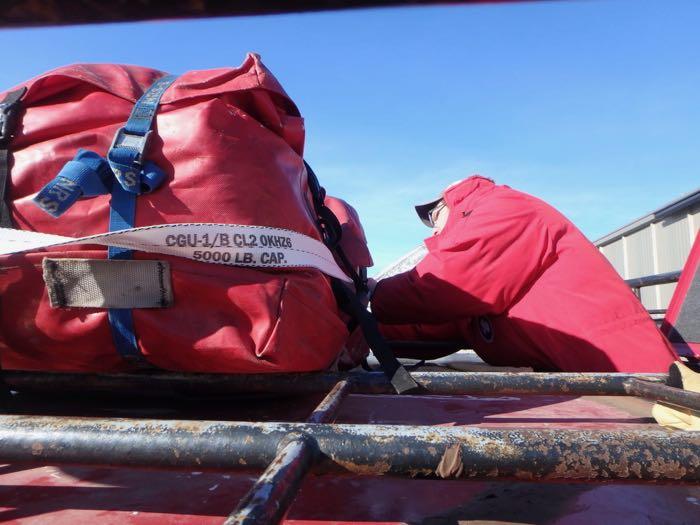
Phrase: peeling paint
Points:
(451, 465)
(366, 449)
(375, 469)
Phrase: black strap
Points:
(397, 374)
(5, 394)
(9, 110)
(348, 300)
(330, 227)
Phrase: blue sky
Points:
(593, 106)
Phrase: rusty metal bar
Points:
(270, 497)
(169, 385)
(643, 455)
(329, 405)
(667, 394)
(526, 383)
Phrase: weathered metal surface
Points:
(329, 405)
(524, 383)
(361, 449)
(169, 385)
(81, 495)
(501, 411)
(668, 394)
(275, 490)
(89, 496)
(327, 500)
(405, 263)
(52, 12)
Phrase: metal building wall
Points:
(657, 243)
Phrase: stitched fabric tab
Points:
(100, 283)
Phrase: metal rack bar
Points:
(269, 498)
(165, 384)
(653, 280)
(644, 455)
(659, 392)
(328, 407)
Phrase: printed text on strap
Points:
(229, 244)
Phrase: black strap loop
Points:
(331, 230)
(317, 191)
(348, 300)
(9, 111)
(330, 226)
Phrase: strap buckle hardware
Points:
(133, 141)
(8, 117)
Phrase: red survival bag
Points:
(175, 162)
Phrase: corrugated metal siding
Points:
(665, 294)
(640, 254)
(648, 297)
(673, 246)
(672, 243)
(615, 254)
(657, 246)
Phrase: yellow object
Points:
(671, 416)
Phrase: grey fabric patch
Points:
(100, 283)
(687, 327)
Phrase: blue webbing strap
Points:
(87, 175)
(134, 177)
(125, 156)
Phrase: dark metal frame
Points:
(288, 451)
(170, 384)
(23, 13)
(652, 280)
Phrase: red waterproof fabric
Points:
(231, 142)
(525, 287)
(353, 241)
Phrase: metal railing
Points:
(289, 451)
(652, 280)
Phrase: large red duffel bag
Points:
(194, 156)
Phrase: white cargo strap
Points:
(230, 244)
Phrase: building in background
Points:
(654, 244)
